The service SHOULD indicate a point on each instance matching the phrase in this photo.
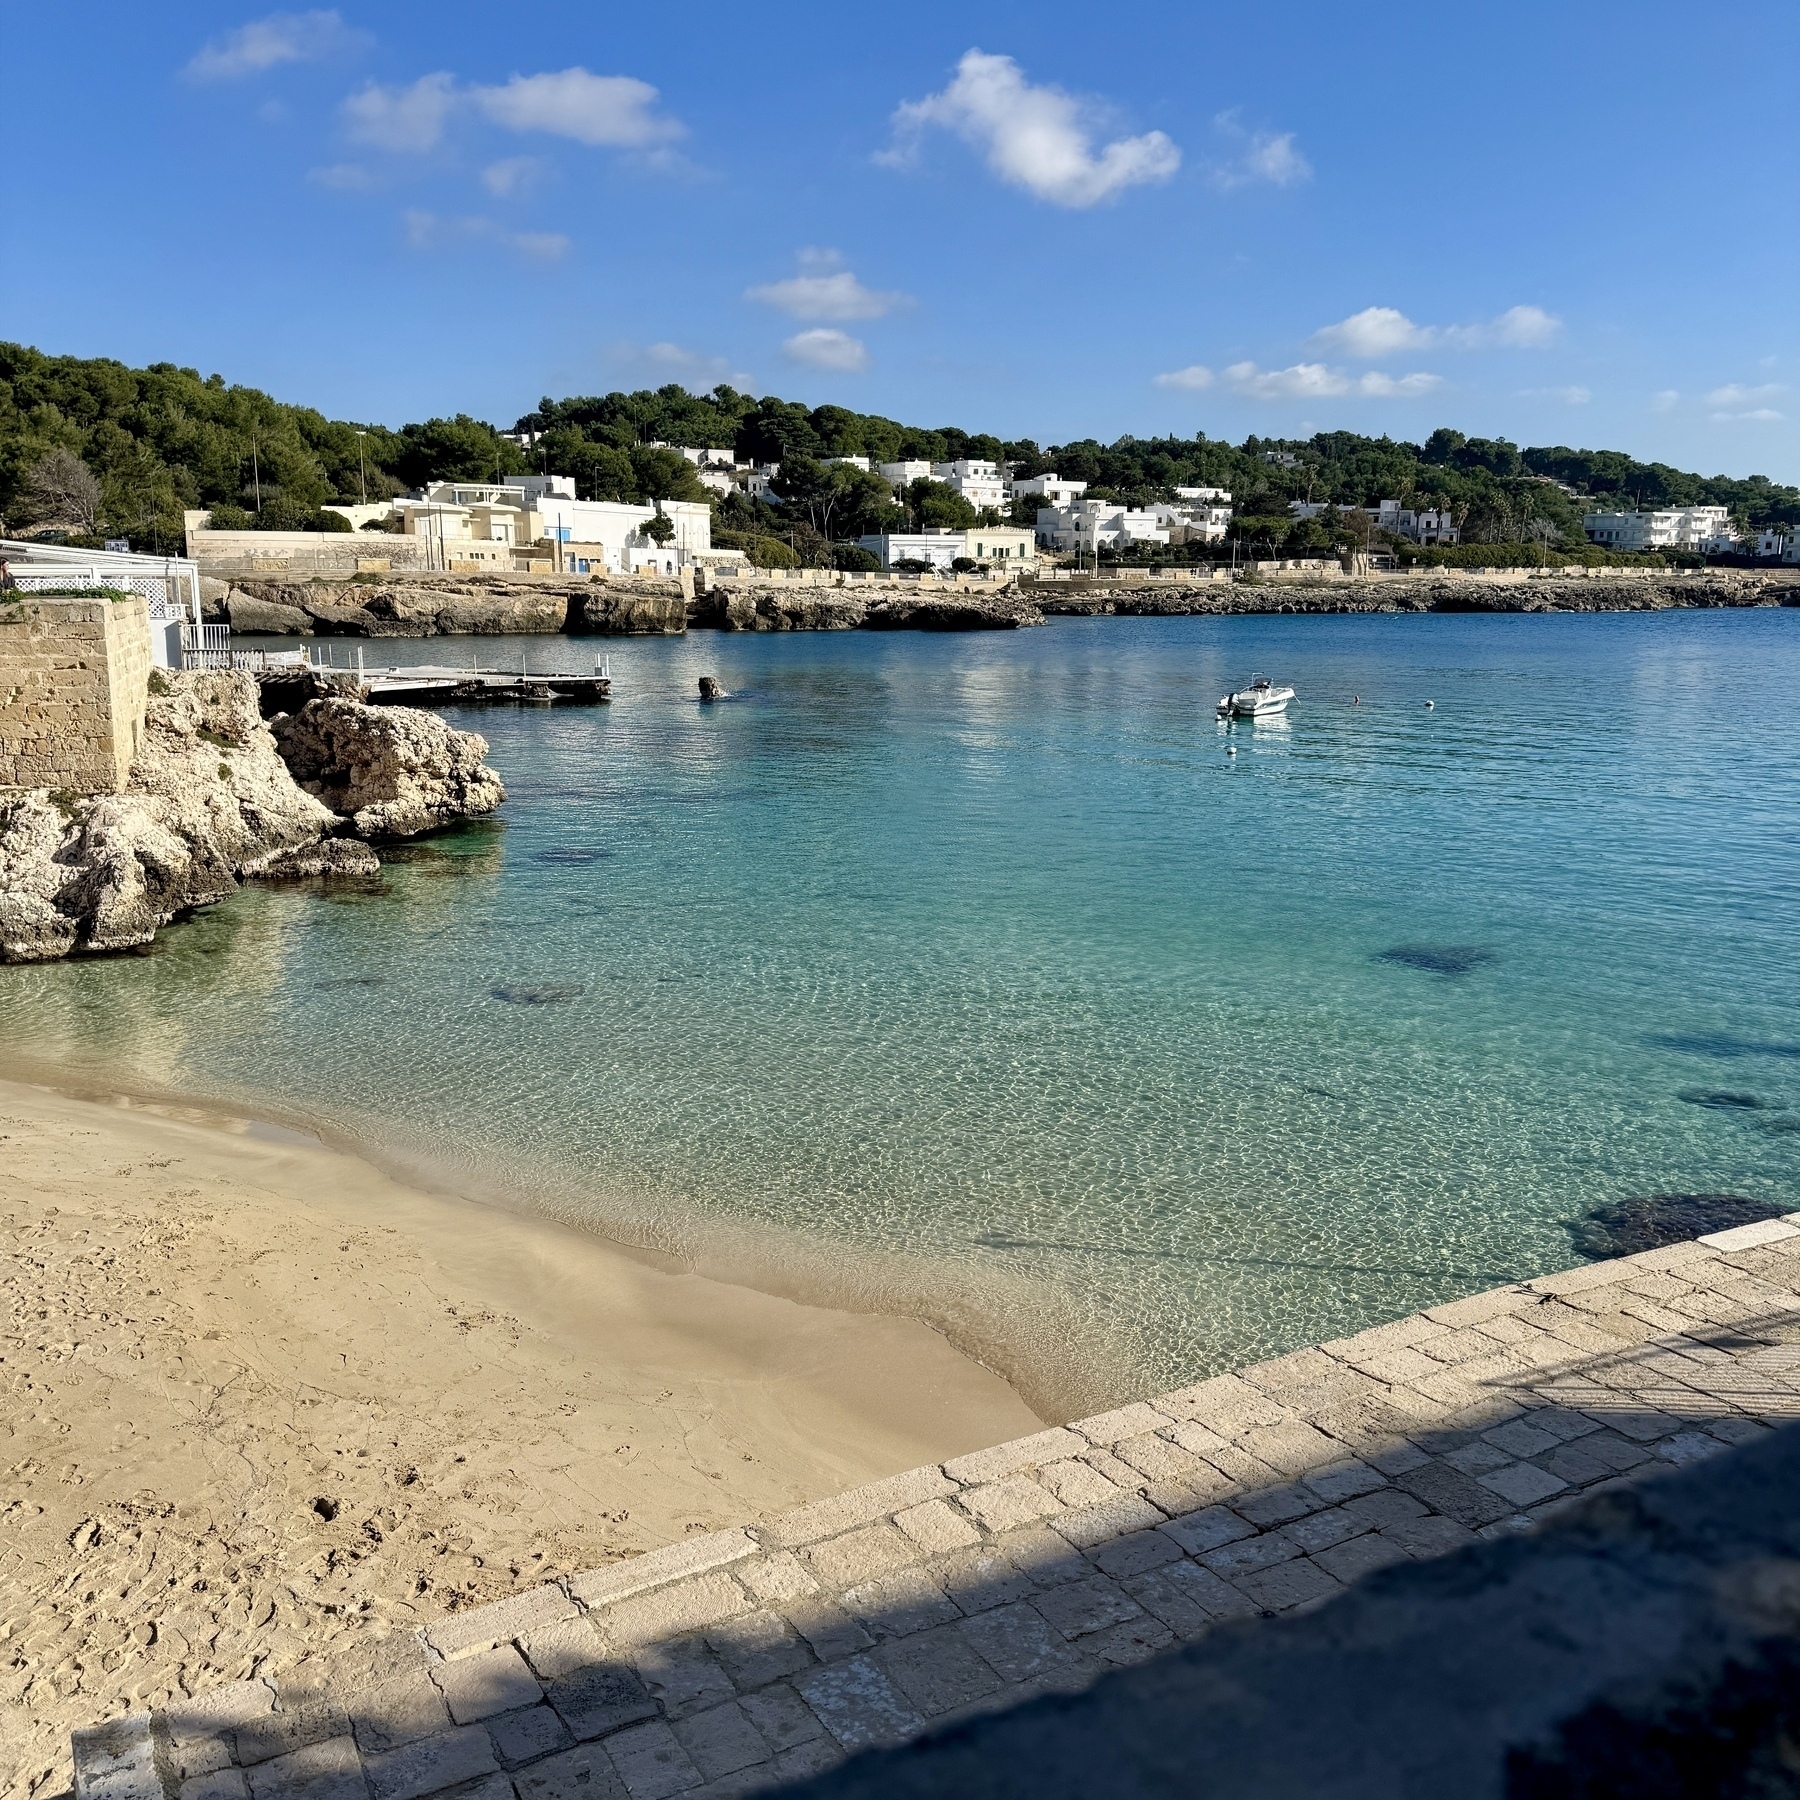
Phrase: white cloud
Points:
(268, 43)
(344, 178)
(1757, 415)
(1736, 394)
(695, 370)
(431, 231)
(1192, 378)
(1037, 138)
(1309, 381)
(823, 348)
(1383, 330)
(403, 118)
(513, 175)
(1665, 400)
(610, 110)
(1265, 156)
(826, 290)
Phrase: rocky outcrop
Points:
(871, 609)
(775, 609)
(332, 858)
(392, 771)
(960, 610)
(635, 608)
(209, 801)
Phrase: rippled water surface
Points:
(973, 975)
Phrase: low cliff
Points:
(868, 609)
(215, 796)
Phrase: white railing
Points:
(206, 647)
(171, 584)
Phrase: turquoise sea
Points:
(973, 976)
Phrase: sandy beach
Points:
(260, 1397)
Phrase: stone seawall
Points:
(74, 682)
(744, 1659)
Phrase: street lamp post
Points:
(362, 468)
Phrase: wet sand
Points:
(257, 1396)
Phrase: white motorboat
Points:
(1262, 699)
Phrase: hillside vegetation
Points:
(163, 439)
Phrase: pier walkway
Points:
(743, 1659)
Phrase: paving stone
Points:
(1089, 1526)
(722, 1741)
(1288, 1585)
(983, 1466)
(1572, 1464)
(894, 1606)
(1360, 1556)
(1201, 1487)
(650, 1761)
(1523, 1483)
(1477, 1458)
(1428, 1536)
(583, 1774)
(486, 1682)
(1187, 1598)
(1019, 1645)
(1227, 1403)
(677, 1562)
(1477, 1307)
(858, 1705)
(1319, 1531)
(1737, 1431)
(979, 1579)
(1121, 1422)
(1135, 1641)
(938, 1671)
(757, 1648)
(599, 1698)
(275, 1734)
(1280, 1375)
(782, 1718)
(1292, 1447)
(1200, 1439)
(936, 1527)
(1203, 1531)
(1401, 1334)
(561, 1649)
(220, 1784)
(777, 1577)
(193, 1759)
(860, 1555)
(1386, 1507)
(858, 1506)
(1244, 1469)
(327, 1770)
(218, 1710)
(683, 1675)
(1084, 1606)
(1344, 1481)
(1120, 1474)
(1523, 1437)
(1456, 1495)
(1276, 1505)
(1250, 1555)
(528, 1735)
(1642, 1425)
(1015, 1500)
(1396, 1459)
(483, 1627)
(827, 1628)
(668, 1612)
(460, 1754)
(805, 1760)
(1749, 1237)
(1575, 1281)
(1689, 1446)
(393, 1713)
(1156, 1458)
(1134, 1553)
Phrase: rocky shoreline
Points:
(216, 796)
(446, 605)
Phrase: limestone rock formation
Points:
(332, 858)
(961, 610)
(393, 771)
(209, 800)
(636, 608)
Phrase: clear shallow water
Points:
(969, 975)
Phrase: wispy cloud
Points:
(1039, 138)
(602, 111)
(343, 178)
(825, 289)
(513, 175)
(1191, 379)
(1739, 403)
(824, 348)
(612, 111)
(1569, 396)
(666, 361)
(1310, 381)
(432, 231)
(1384, 330)
(268, 43)
(1666, 400)
(1267, 158)
(406, 119)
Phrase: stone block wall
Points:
(74, 683)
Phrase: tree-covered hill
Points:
(162, 439)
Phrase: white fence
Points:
(170, 584)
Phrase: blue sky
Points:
(1560, 223)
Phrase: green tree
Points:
(936, 506)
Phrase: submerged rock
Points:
(209, 801)
(1649, 1221)
(1721, 1099)
(334, 857)
(1437, 959)
(393, 771)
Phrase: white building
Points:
(1214, 496)
(1194, 524)
(1052, 489)
(1004, 546)
(979, 483)
(1773, 542)
(1088, 526)
(1678, 527)
(938, 548)
(904, 474)
(1426, 525)
(853, 462)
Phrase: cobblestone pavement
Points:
(747, 1658)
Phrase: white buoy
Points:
(1430, 705)
(1231, 749)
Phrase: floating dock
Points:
(432, 685)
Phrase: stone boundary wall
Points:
(74, 683)
(744, 1659)
(222, 553)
